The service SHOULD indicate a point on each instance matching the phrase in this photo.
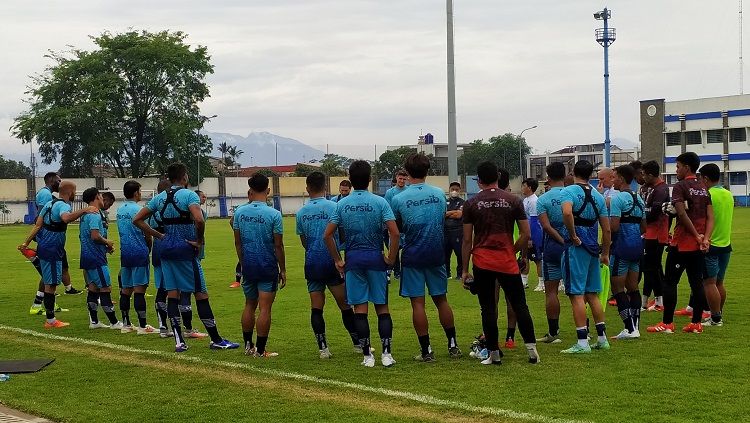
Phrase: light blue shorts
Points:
(581, 272)
(183, 275)
(134, 276)
(552, 271)
(413, 281)
(318, 286)
(621, 267)
(98, 276)
(363, 286)
(158, 278)
(251, 288)
(51, 271)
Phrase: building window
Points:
(737, 178)
(671, 179)
(737, 135)
(693, 138)
(715, 136)
(673, 138)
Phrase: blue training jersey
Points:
(181, 228)
(588, 234)
(550, 204)
(155, 242)
(43, 196)
(133, 248)
(93, 255)
(421, 211)
(392, 192)
(312, 220)
(362, 215)
(51, 238)
(257, 224)
(627, 242)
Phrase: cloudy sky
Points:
(354, 74)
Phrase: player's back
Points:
(172, 210)
(257, 223)
(695, 196)
(133, 248)
(361, 215)
(312, 220)
(587, 218)
(421, 210)
(93, 255)
(550, 203)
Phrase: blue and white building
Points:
(715, 128)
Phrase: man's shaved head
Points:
(67, 190)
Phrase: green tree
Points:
(503, 150)
(268, 172)
(335, 165)
(304, 169)
(391, 161)
(131, 103)
(12, 169)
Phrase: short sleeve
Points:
(299, 224)
(95, 222)
(678, 192)
(236, 221)
(566, 196)
(152, 204)
(518, 211)
(540, 207)
(335, 216)
(63, 208)
(278, 225)
(615, 207)
(387, 213)
(468, 217)
(193, 199)
(709, 201)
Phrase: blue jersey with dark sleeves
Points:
(43, 196)
(589, 235)
(362, 215)
(93, 255)
(51, 244)
(421, 211)
(133, 248)
(174, 246)
(257, 224)
(627, 241)
(312, 220)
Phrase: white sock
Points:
(644, 301)
(525, 279)
(601, 338)
(584, 343)
(541, 281)
(688, 308)
(68, 288)
(660, 301)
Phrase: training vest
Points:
(184, 217)
(628, 243)
(53, 226)
(174, 246)
(588, 199)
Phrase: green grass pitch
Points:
(666, 378)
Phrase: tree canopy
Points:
(391, 161)
(131, 103)
(503, 150)
(12, 169)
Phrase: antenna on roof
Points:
(742, 88)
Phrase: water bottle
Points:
(4, 377)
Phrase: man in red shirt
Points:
(489, 218)
(656, 236)
(694, 218)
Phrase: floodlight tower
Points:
(605, 36)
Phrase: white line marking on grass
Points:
(419, 398)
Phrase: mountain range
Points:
(261, 148)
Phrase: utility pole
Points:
(605, 36)
(452, 136)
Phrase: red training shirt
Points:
(695, 195)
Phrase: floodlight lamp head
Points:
(603, 14)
